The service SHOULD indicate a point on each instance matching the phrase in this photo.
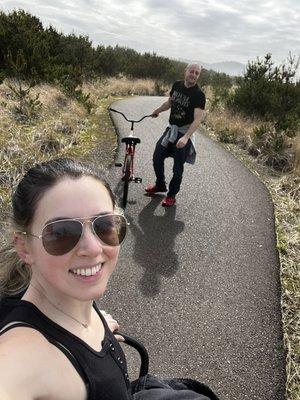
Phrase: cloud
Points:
(210, 30)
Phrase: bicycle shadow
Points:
(118, 192)
(154, 242)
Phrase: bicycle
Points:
(128, 165)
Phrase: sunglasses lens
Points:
(61, 237)
(111, 229)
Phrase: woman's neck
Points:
(58, 306)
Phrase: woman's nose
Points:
(89, 243)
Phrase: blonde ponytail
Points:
(14, 273)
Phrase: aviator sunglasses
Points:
(61, 236)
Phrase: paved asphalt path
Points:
(199, 283)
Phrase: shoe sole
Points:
(167, 205)
(157, 191)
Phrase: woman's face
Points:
(66, 274)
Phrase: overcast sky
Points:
(209, 31)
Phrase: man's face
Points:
(191, 75)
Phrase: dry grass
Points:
(61, 128)
(122, 86)
(235, 128)
(285, 192)
(241, 127)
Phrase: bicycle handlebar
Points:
(129, 120)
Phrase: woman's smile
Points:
(88, 274)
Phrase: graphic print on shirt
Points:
(180, 102)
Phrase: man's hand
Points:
(113, 325)
(181, 142)
(164, 107)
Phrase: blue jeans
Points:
(179, 156)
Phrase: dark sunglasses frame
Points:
(63, 248)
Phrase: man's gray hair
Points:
(193, 64)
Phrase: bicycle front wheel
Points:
(126, 179)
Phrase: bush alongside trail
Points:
(261, 112)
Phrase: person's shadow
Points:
(154, 238)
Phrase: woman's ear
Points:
(21, 246)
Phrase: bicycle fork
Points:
(128, 165)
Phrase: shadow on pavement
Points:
(118, 192)
(154, 242)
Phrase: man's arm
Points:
(198, 115)
(164, 107)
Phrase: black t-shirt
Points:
(183, 102)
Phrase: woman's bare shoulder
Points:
(21, 352)
(21, 340)
(27, 356)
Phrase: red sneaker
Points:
(168, 201)
(155, 189)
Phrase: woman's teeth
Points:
(87, 271)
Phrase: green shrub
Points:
(84, 99)
(72, 86)
(268, 145)
(270, 93)
(27, 105)
(2, 76)
(227, 136)
(220, 84)
(159, 89)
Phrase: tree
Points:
(22, 31)
(268, 91)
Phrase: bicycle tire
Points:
(127, 174)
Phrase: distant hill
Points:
(232, 68)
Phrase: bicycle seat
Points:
(131, 140)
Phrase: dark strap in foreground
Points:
(142, 352)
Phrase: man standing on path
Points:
(187, 103)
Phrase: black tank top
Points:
(104, 373)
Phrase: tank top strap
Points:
(53, 341)
(95, 368)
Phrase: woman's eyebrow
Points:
(68, 218)
(56, 219)
(103, 213)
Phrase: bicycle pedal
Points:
(118, 164)
(138, 180)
